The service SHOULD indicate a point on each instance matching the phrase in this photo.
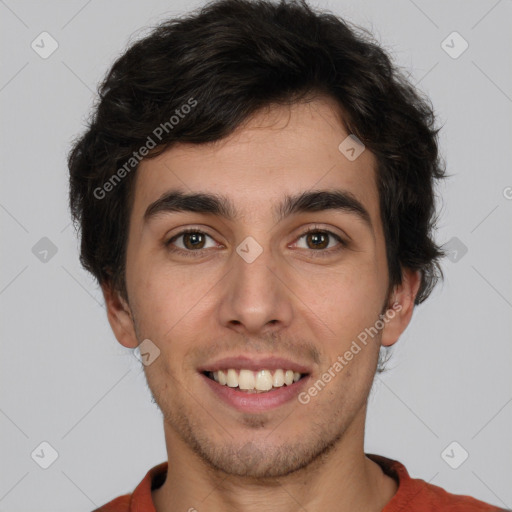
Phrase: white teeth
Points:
(232, 379)
(246, 379)
(262, 380)
(222, 379)
(278, 379)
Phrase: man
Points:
(256, 198)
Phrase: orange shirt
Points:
(413, 494)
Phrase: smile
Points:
(260, 381)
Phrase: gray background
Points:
(63, 377)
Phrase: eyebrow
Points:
(222, 206)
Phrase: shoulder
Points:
(434, 498)
(119, 504)
(140, 498)
(416, 495)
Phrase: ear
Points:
(119, 316)
(401, 306)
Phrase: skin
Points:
(286, 303)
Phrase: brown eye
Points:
(193, 240)
(320, 242)
(317, 240)
(190, 241)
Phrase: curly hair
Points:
(226, 61)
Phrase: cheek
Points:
(346, 301)
(168, 299)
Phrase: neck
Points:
(343, 479)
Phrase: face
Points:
(258, 287)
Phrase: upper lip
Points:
(254, 364)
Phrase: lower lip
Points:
(256, 402)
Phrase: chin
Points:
(259, 460)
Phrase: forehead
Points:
(283, 150)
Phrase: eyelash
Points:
(187, 253)
(321, 253)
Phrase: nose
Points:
(255, 299)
